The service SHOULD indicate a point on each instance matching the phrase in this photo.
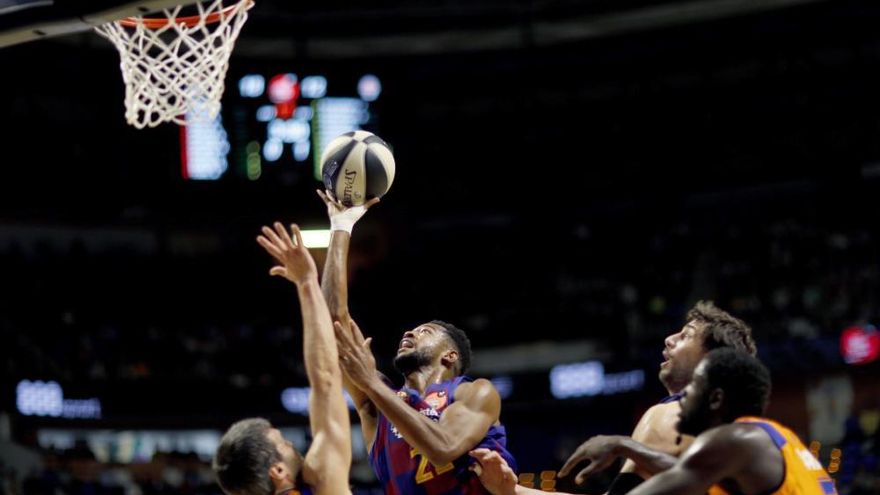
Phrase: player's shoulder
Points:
(733, 437)
(480, 388)
(663, 409)
(661, 415)
(474, 385)
(656, 428)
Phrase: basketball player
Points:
(253, 458)
(419, 436)
(655, 445)
(736, 451)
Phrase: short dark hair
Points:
(243, 459)
(745, 381)
(721, 329)
(462, 344)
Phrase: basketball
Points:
(357, 167)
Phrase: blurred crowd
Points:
(123, 316)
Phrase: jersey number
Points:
(423, 474)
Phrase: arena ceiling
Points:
(341, 28)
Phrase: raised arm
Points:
(328, 460)
(334, 285)
(334, 282)
(462, 425)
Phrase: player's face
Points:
(695, 414)
(419, 347)
(427, 336)
(289, 456)
(681, 353)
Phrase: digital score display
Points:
(278, 125)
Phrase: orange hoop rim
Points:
(188, 21)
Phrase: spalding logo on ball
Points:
(357, 167)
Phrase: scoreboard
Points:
(275, 126)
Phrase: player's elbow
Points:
(338, 312)
(441, 457)
(325, 378)
(336, 308)
(330, 451)
(444, 454)
(365, 407)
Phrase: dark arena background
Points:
(572, 176)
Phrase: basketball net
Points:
(173, 67)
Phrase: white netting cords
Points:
(177, 68)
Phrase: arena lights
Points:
(304, 113)
(266, 113)
(369, 88)
(283, 88)
(289, 131)
(205, 147)
(860, 344)
(272, 150)
(252, 86)
(334, 117)
(133, 446)
(296, 400)
(316, 238)
(39, 398)
(589, 379)
(314, 87)
(301, 151)
(296, 132)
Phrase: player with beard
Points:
(655, 445)
(736, 451)
(252, 457)
(418, 436)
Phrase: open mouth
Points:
(406, 344)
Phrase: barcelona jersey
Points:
(404, 471)
(803, 473)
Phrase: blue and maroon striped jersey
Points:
(404, 471)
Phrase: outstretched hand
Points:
(295, 262)
(494, 472)
(341, 216)
(601, 451)
(355, 356)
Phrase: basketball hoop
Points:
(174, 66)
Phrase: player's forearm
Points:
(419, 431)
(673, 482)
(334, 282)
(360, 399)
(646, 459)
(319, 340)
(334, 286)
